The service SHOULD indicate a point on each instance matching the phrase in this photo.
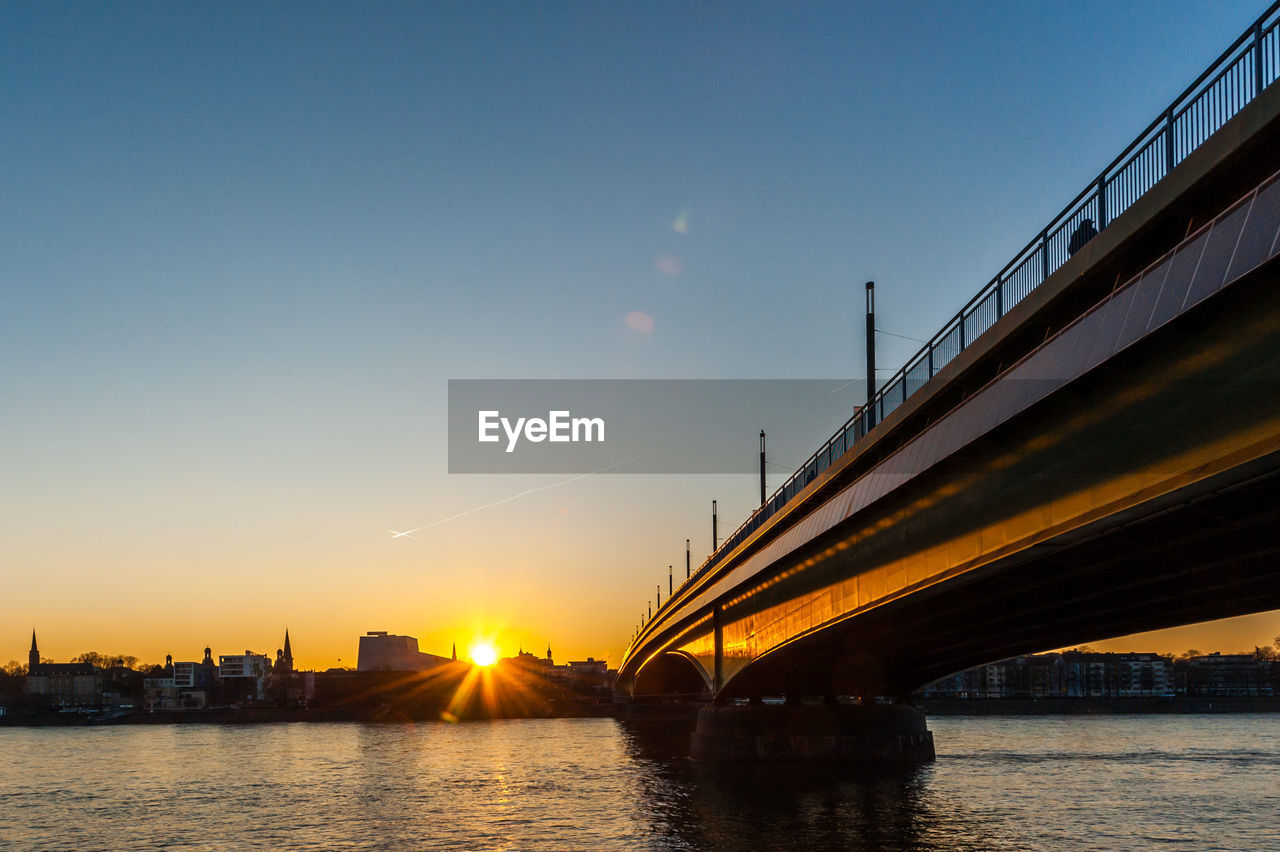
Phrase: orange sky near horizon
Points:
(324, 643)
(316, 647)
(571, 567)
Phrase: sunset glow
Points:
(484, 654)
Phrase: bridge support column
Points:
(717, 675)
(894, 733)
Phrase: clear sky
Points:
(245, 246)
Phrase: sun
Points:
(484, 654)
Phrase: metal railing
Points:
(1238, 76)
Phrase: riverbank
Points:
(265, 715)
(1097, 706)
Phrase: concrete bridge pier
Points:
(672, 712)
(870, 733)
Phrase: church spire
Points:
(455, 651)
(33, 658)
(287, 652)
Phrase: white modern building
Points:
(234, 669)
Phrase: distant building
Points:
(589, 668)
(1229, 674)
(184, 675)
(1070, 674)
(159, 693)
(590, 676)
(530, 660)
(284, 657)
(63, 684)
(1131, 675)
(244, 675)
(196, 682)
(67, 684)
(247, 664)
(385, 652)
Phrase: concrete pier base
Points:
(874, 733)
(675, 713)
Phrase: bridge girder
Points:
(1221, 358)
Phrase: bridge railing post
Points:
(1168, 140)
(1258, 83)
(1102, 201)
(1044, 256)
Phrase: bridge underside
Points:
(1103, 460)
(674, 674)
(1155, 479)
(1215, 557)
(1141, 495)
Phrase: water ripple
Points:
(1000, 783)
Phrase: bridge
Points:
(1089, 448)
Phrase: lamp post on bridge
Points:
(715, 539)
(671, 589)
(687, 563)
(871, 352)
(762, 498)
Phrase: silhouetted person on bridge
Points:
(1082, 235)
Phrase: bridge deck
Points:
(973, 395)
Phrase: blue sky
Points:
(246, 245)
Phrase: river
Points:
(1000, 783)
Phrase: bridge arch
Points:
(672, 673)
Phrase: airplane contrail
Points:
(525, 493)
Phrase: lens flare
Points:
(681, 224)
(640, 321)
(484, 654)
(668, 264)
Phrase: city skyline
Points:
(248, 249)
(486, 644)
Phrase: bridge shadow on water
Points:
(779, 805)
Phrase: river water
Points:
(1031, 783)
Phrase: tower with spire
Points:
(284, 656)
(33, 657)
